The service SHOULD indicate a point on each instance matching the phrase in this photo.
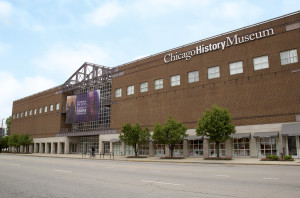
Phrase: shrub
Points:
(272, 157)
(288, 158)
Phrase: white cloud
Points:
(65, 60)
(236, 10)
(105, 14)
(6, 10)
(14, 89)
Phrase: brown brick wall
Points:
(253, 97)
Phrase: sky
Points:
(43, 42)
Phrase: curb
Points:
(159, 161)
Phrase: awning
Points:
(194, 137)
(241, 135)
(291, 129)
(266, 134)
(115, 140)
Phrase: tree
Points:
(14, 141)
(4, 142)
(8, 124)
(134, 135)
(169, 134)
(215, 124)
(25, 141)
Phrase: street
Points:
(27, 176)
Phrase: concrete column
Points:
(253, 148)
(280, 146)
(185, 148)
(151, 149)
(110, 147)
(31, 148)
(36, 145)
(67, 147)
(123, 149)
(41, 148)
(167, 151)
(47, 148)
(101, 147)
(228, 148)
(21, 149)
(52, 148)
(205, 148)
(59, 148)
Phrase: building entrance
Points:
(292, 146)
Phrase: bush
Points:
(272, 157)
(288, 158)
(218, 158)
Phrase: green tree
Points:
(134, 135)
(25, 140)
(216, 124)
(169, 134)
(14, 141)
(8, 124)
(4, 142)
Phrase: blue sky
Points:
(43, 42)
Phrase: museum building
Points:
(253, 71)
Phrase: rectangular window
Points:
(51, 107)
(14, 116)
(18, 115)
(45, 109)
(30, 112)
(40, 110)
(267, 146)
(25, 113)
(261, 62)
(175, 80)
(144, 87)
(196, 147)
(57, 106)
(130, 90)
(35, 111)
(21, 114)
(118, 93)
(236, 68)
(288, 57)
(158, 84)
(213, 72)
(193, 76)
(241, 147)
(213, 149)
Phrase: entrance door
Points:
(292, 146)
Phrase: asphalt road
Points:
(26, 176)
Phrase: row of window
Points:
(262, 62)
(26, 113)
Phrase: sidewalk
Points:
(234, 161)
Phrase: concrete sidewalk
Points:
(234, 161)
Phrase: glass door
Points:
(292, 145)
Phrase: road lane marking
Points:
(57, 170)
(271, 178)
(222, 176)
(162, 183)
(15, 164)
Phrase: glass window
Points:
(241, 147)
(175, 80)
(14, 116)
(158, 84)
(288, 57)
(129, 150)
(40, 110)
(213, 150)
(195, 148)
(144, 87)
(118, 93)
(57, 106)
(267, 146)
(21, 114)
(130, 90)
(35, 111)
(160, 149)
(117, 148)
(144, 149)
(261, 62)
(30, 112)
(51, 107)
(25, 113)
(18, 115)
(45, 109)
(213, 72)
(236, 68)
(106, 147)
(193, 76)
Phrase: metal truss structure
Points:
(88, 75)
(87, 78)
